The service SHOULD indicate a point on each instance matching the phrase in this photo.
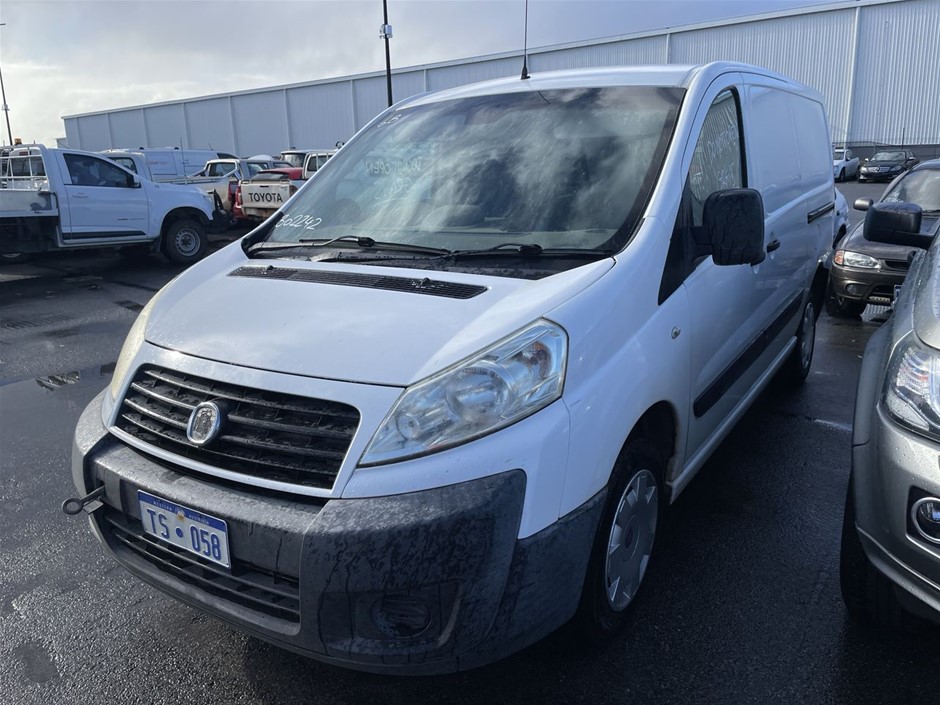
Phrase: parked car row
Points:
(881, 166)
(259, 196)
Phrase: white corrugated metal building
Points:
(876, 62)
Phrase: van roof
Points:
(677, 75)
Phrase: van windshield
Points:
(568, 169)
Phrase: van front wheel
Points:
(185, 242)
(624, 541)
(796, 368)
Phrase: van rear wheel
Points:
(623, 544)
(185, 241)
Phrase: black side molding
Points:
(717, 389)
(820, 212)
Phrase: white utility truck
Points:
(62, 198)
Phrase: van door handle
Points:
(79, 195)
(774, 245)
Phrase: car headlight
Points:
(912, 387)
(132, 343)
(848, 258)
(495, 388)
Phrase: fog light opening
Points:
(926, 517)
(401, 616)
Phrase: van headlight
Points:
(132, 343)
(912, 387)
(495, 388)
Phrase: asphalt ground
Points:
(741, 603)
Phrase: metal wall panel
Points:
(210, 125)
(630, 52)
(889, 94)
(260, 123)
(462, 74)
(812, 49)
(72, 137)
(897, 87)
(319, 115)
(126, 128)
(371, 95)
(165, 126)
(93, 133)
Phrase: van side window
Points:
(717, 164)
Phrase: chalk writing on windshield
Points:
(307, 222)
(401, 167)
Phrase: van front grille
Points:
(263, 434)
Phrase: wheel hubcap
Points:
(631, 539)
(187, 242)
(809, 336)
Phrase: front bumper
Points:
(867, 175)
(890, 470)
(329, 578)
(875, 286)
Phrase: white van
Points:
(438, 404)
(166, 163)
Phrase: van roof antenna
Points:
(525, 43)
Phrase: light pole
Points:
(385, 32)
(6, 108)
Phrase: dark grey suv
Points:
(891, 533)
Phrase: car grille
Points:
(274, 594)
(267, 435)
(901, 265)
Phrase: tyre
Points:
(841, 175)
(796, 368)
(624, 541)
(13, 257)
(185, 242)
(868, 595)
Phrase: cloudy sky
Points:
(62, 57)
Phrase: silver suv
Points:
(890, 562)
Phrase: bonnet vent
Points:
(431, 287)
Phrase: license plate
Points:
(185, 528)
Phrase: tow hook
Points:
(73, 505)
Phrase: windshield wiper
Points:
(528, 250)
(363, 242)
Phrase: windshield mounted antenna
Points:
(525, 43)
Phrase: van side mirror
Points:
(863, 204)
(132, 182)
(733, 225)
(896, 224)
